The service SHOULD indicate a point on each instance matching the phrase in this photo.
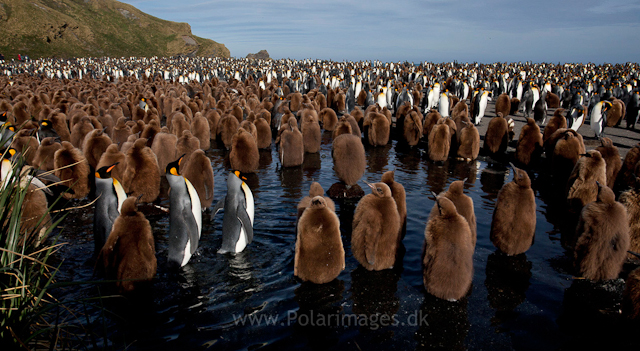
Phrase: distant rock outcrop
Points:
(261, 55)
(73, 28)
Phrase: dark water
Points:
(252, 300)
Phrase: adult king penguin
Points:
(237, 223)
(185, 216)
(110, 196)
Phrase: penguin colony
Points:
(116, 127)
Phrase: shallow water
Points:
(252, 300)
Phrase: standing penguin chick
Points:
(311, 133)
(110, 196)
(581, 186)
(469, 142)
(45, 154)
(314, 190)
(200, 173)
(611, 158)
(503, 104)
(439, 141)
(349, 159)
(76, 177)
(291, 145)
(447, 258)
(319, 256)
(496, 139)
(141, 176)
(399, 195)
(463, 204)
(129, 255)
(237, 222)
(377, 129)
(513, 225)
(376, 226)
(113, 156)
(529, 146)
(185, 216)
(244, 155)
(164, 147)
(603, 237)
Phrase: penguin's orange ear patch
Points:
(173, 171)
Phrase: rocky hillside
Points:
(74, 28)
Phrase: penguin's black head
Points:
(105, 172)
(9, 153)
(3, 117)
(174, 167)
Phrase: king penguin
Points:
(599, 117)
(185, 216)
(237, 222)
(110, 196)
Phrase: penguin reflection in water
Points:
(237, 222)
(185, 216)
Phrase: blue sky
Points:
(432, 30)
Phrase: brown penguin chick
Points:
(463, 204)
(357, 115)
(566, 152)
(244, 155)
(412, 128)
(460, 109)
(178, 124)
(349, 159)
(496, 139)
(631, 296)
(26, 144)
(469, 143)
(75, 177)
(615, 113)
(80, 130)
(129, 255)
(513, 225)
(556, 122)
(121, 131)
(376, 227)
(630, 199)
(626, 177)
(200, 173)
(355, 129)
(342, 127)
(264, 133)
(377, 129)
(603, 237)
(319, 254)
(213, 117)
(447, 257)
(250, 127)
(439, 141)
(35, 218)
(529, 146)
(399, 196)
(581, 186)
(59, 122)
(141, 176)
(611, 158)
(200, 129)
(430, 121)
(112, 156)
(150, 130)
(361, 98)
(43, 159)
(95, 144)
(328, 118)
(503, 104)
(553, 100)
(311, 133)
(314, 190)
(295, 102)
(515, 102)
(186, 145)
(291, 145)
(164, 147)
(227, 128)
(21, 112)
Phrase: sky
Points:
(403, 30)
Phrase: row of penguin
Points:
(119, 125)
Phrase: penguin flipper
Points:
(219, 205)
(244, 219)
